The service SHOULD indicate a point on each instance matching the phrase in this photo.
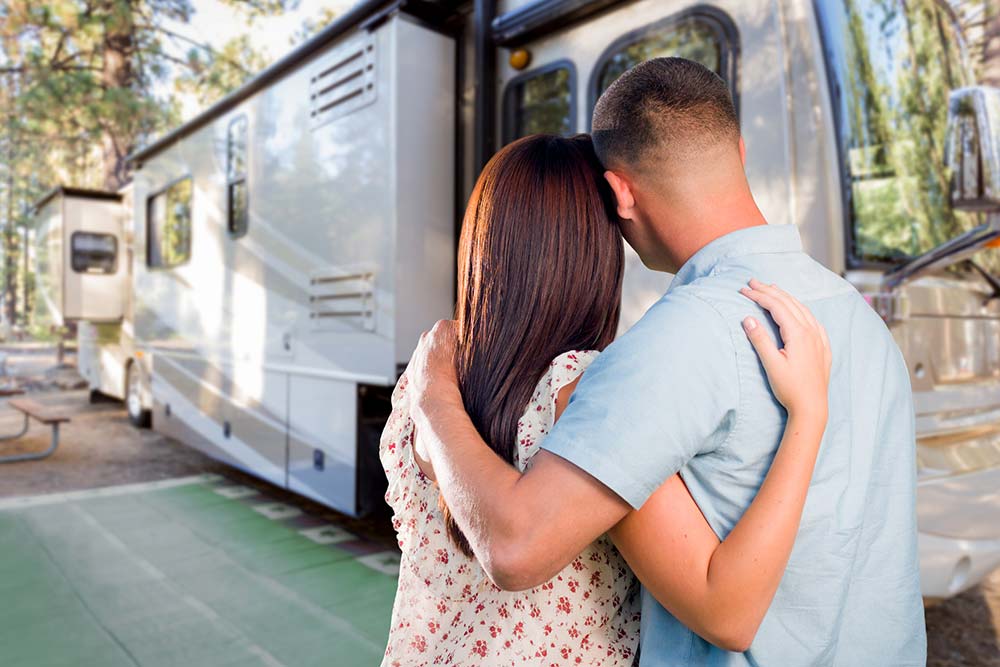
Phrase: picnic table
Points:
(47, 415)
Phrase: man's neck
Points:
(708, 228)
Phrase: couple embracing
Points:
(730, 482)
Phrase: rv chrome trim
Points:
(948, 253)
(717, 19)
(972, 149)
(303, 371)
(542, 17)
(990, 279)
(892, 307)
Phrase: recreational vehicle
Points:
(292, 241)
(84, 267)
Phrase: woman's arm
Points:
(722, 590)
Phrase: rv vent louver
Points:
(342, 81)
(336, 299)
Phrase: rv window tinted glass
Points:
(692, 38)
(169, 226)
(892, 65)
(540, 102)
(93, 253)
(237, 204)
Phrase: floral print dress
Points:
(447, 612)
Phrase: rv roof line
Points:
(70, 191)
(542, 17)
(361, 15)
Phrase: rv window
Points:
(237, 200)
(169, 226)
(93, 253)
(541, 101)
(692, 36)
(892, 65)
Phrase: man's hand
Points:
(431, 372)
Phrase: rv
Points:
(83, 260)
(293, 240)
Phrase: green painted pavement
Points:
(184, 576)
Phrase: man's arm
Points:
(663, 393)
(523, 528)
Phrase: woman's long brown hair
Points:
(539, 273)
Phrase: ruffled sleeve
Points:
(396, 454)
(541, 412)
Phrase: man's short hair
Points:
(663, 108)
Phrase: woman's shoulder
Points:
(540, 413)
(566, 368)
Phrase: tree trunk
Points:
(118, 72)
(10, 250)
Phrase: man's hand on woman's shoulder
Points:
(433, 380)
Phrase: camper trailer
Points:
(83, 250)
(81, 275)
(293, 240)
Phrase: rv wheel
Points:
(140, 417)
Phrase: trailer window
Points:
(93, 253)
(705, 35)
(892, 65)
(541, 101)
(169, 226)
(237, 195)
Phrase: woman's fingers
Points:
(772, 290)
(806, 314)
(780, 312)
(762, 343)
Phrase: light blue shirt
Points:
(683, 390)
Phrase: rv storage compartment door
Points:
(322, 450)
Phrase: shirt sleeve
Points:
(663, 393)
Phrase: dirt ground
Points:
(101, 448)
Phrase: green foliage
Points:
(83, 83)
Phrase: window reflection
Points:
(169, 226)
(541, 103)
(93, 253)
(893, 64)
(237, 205)
(688, 38)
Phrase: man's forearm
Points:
(477, 485)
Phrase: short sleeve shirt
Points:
(683, 391)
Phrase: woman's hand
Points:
(431, 372)
(799, 373)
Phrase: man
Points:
(684, 391)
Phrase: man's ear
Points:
(743, 152)
(623, 194)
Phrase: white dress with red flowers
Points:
(447, 612)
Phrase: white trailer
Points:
(79, 268)
(294, 239)
(83, 251)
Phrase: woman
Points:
(540, 272)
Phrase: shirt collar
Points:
(756, 240)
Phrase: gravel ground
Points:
(101, 448)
